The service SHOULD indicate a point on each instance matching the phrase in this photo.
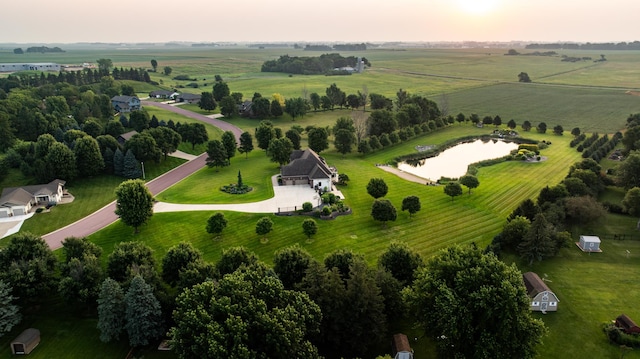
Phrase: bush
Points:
(307, 207)
(326, 211)
(616, 335)
(329, 198)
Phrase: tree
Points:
(139, 120)
(89, 160)
(264, 134)
(542, 127)
(263, 227)
(628, 171)
(514, 231)
(60, 162)
(512, 124)
(335, 95)
(111, 311)
(167, 70)
(18, 51)
(584, 209)
(575, 131)
(318, 138)
(631, 201)
(220, 90)
(295, 138)
(9, 312)
(92, 127)
(217, 155)
(216, 223)
(154, 64)
(309, 227)
(129, 259)
(177, 259)
(167, 140)
(79, 285)
(558, 130)
(526, 125)
(290, 264)
(523, 77)
(144, 317)
(538, 243)
(228, 106)
(497, 121)
(453, 189)
(276, 108)
(130, 166)
(295, 107)
(454, 299)
(381, 121)
(104, 65)
(28, 266)
(195, 133)
(229, 143)
(246, 143)
(401, 261)
(344, 141)
(411, 204)
(382, 210)
(470, 182)
(280, 150)
(377, 188)
(207, 102)
(249, 314)
(134, 203)
(353, 101)
(235, 258)
(74, 247)
(261, 107)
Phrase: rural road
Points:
(105, 216)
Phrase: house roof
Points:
(625, 322)
(594, 239)
(534, 284)
(127, 135)
(306, 163)
(189, 96)
(28, 336)
(125, 99)
(24, 194)
(161, 93)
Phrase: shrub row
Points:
(577, 140)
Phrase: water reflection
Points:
(453, 162)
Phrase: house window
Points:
(553, 304)
(535, 304)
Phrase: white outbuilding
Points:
(589, 244)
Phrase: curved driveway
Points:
(106, 215)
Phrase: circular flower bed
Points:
(235, 189)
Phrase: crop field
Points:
(596, 97)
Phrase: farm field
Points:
(591, 96)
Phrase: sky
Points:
(126, 21)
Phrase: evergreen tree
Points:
(118, 163)
(9, 312)
(538, 243)
(111, 311)
(130, 166)
(143, 314)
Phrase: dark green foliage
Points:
(9, 312)
(249, 314)
(453, 189)
(233, 258)
(377, 188)
(89, 161)
(382, 210)
(538, 243)
(290, 264)
(134, 203)
(264, 134)
(220, 90)
(80, 282)
(381, 121)
(246, 143)
(514, 231)
(229, 142)
(309, 227)
(144, 147)
(118, 162)
(454, 299)
(279, 150)
(276, 108)
(264, 226)
(411, 204)
(60, 162)
(139, 120)
(228, 106)
(294, 136)
(216, 223)
(628, 171)
(631, 201)
(128, 258)
(111, 311)
(318, 139)
(167, 140)
(295, 107)
(217, 154)
(142, 313)
(401, 261)
(470, 182)
(177, 259)
(131, 168)
(207, 102)
(195, 133)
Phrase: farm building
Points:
(627, 324)
(306, 167)
(33, 66)
(542, 298)
(589, 244)
(26, 341)
(401, 348)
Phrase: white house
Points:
(542, 298)
(18, 201)
(589, 244)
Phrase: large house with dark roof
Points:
(125, 103)
(17, 201)
(188, 98)
(306, 167)
(542, 298)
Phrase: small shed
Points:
(542, 298)
(627, 324)
(589, 244)
(401, 348)
(26, 341)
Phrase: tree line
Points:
(303, 65)
(635, 45)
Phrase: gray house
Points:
(542, 298)
(170, 94)
(125, 103)
(188, 98)
(18, 201)
(306, 167)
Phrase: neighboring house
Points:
(188, 98)
(542, 298)
(306, 167)
(589, 244)
(30, 66)
(627, 324)
(245, 109)
(125, 137)
(164, 94)
(125, 103)
(18, 201)
(401, 348)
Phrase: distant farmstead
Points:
(542, 298)
(30, 66)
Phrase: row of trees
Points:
(310, 65)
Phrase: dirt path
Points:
(404, 175)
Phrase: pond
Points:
(453, 162)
